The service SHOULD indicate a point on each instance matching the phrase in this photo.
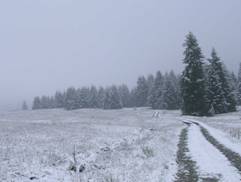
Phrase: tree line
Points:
(205, 87)
(159, 92)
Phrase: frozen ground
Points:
(128, 145)
(124, 145)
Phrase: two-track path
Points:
(199, 158)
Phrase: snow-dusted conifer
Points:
(171, 92)
(101, 98)
(239, 86)
(193, 81)
(59, 99)
(92, 98)
(24, 106)
(112, 98)
(155, 98)
(36, 103)
(84, 97)
(216, 94)
(124, 95)
(71, 99)
(141, 92)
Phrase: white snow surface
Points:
(210, 162)
(222, 138)
(128, 145)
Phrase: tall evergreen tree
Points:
(59, 99)
(71, 99)
(24, 106)
(216, 94)
(228, 90)
(141, 92)
(133, 97)
(124, 95)
(155, 98)
(101, 98)
(112, 98)
(150, 83)
(92, 98)
(36, 103)
(239, 86)
(171, 92)
(234, 85)
(193, 87)
(84, 100)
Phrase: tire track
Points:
(200, 158)
(187, 170)
(232, 156)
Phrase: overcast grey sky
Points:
(48, 45)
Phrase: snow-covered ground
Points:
(224, 127)
(125, 145)
(128, 145)
(210, 161)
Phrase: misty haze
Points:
(120, 91)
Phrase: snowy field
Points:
(111, 146)
(230, 124)
(128, 145)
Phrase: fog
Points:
(48, 45)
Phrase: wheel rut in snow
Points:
(232, 156)
(191, 159)
(186, 166)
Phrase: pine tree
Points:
(101, 98)
(141, 92)
(155, 98)
(71, 99)
(24, 106)
(234, 85)
(36, 103)
(171, 92)
(45, 102)
(150, 83)
(133, 97)
(226, 84)
(239, 86)
(59, 99)
(124, 95)
(216, 94)
(84, 99)
(92, 98)
(193, 80)
(112, 98)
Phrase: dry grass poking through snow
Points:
(124, 145)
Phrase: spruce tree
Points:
(171, 92)
(36, 103)
(234, 85)
(112, 98)
(150, 83)
(239, 86)
(229, 95)
(193, 88)
(216, 94)
(24, 106)
(141, 92)
(155, 98)
(101, 98)
(71, 99)
(59, 99)
(124, 95)
(84, 96)
(133, 97)
(92, 98)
